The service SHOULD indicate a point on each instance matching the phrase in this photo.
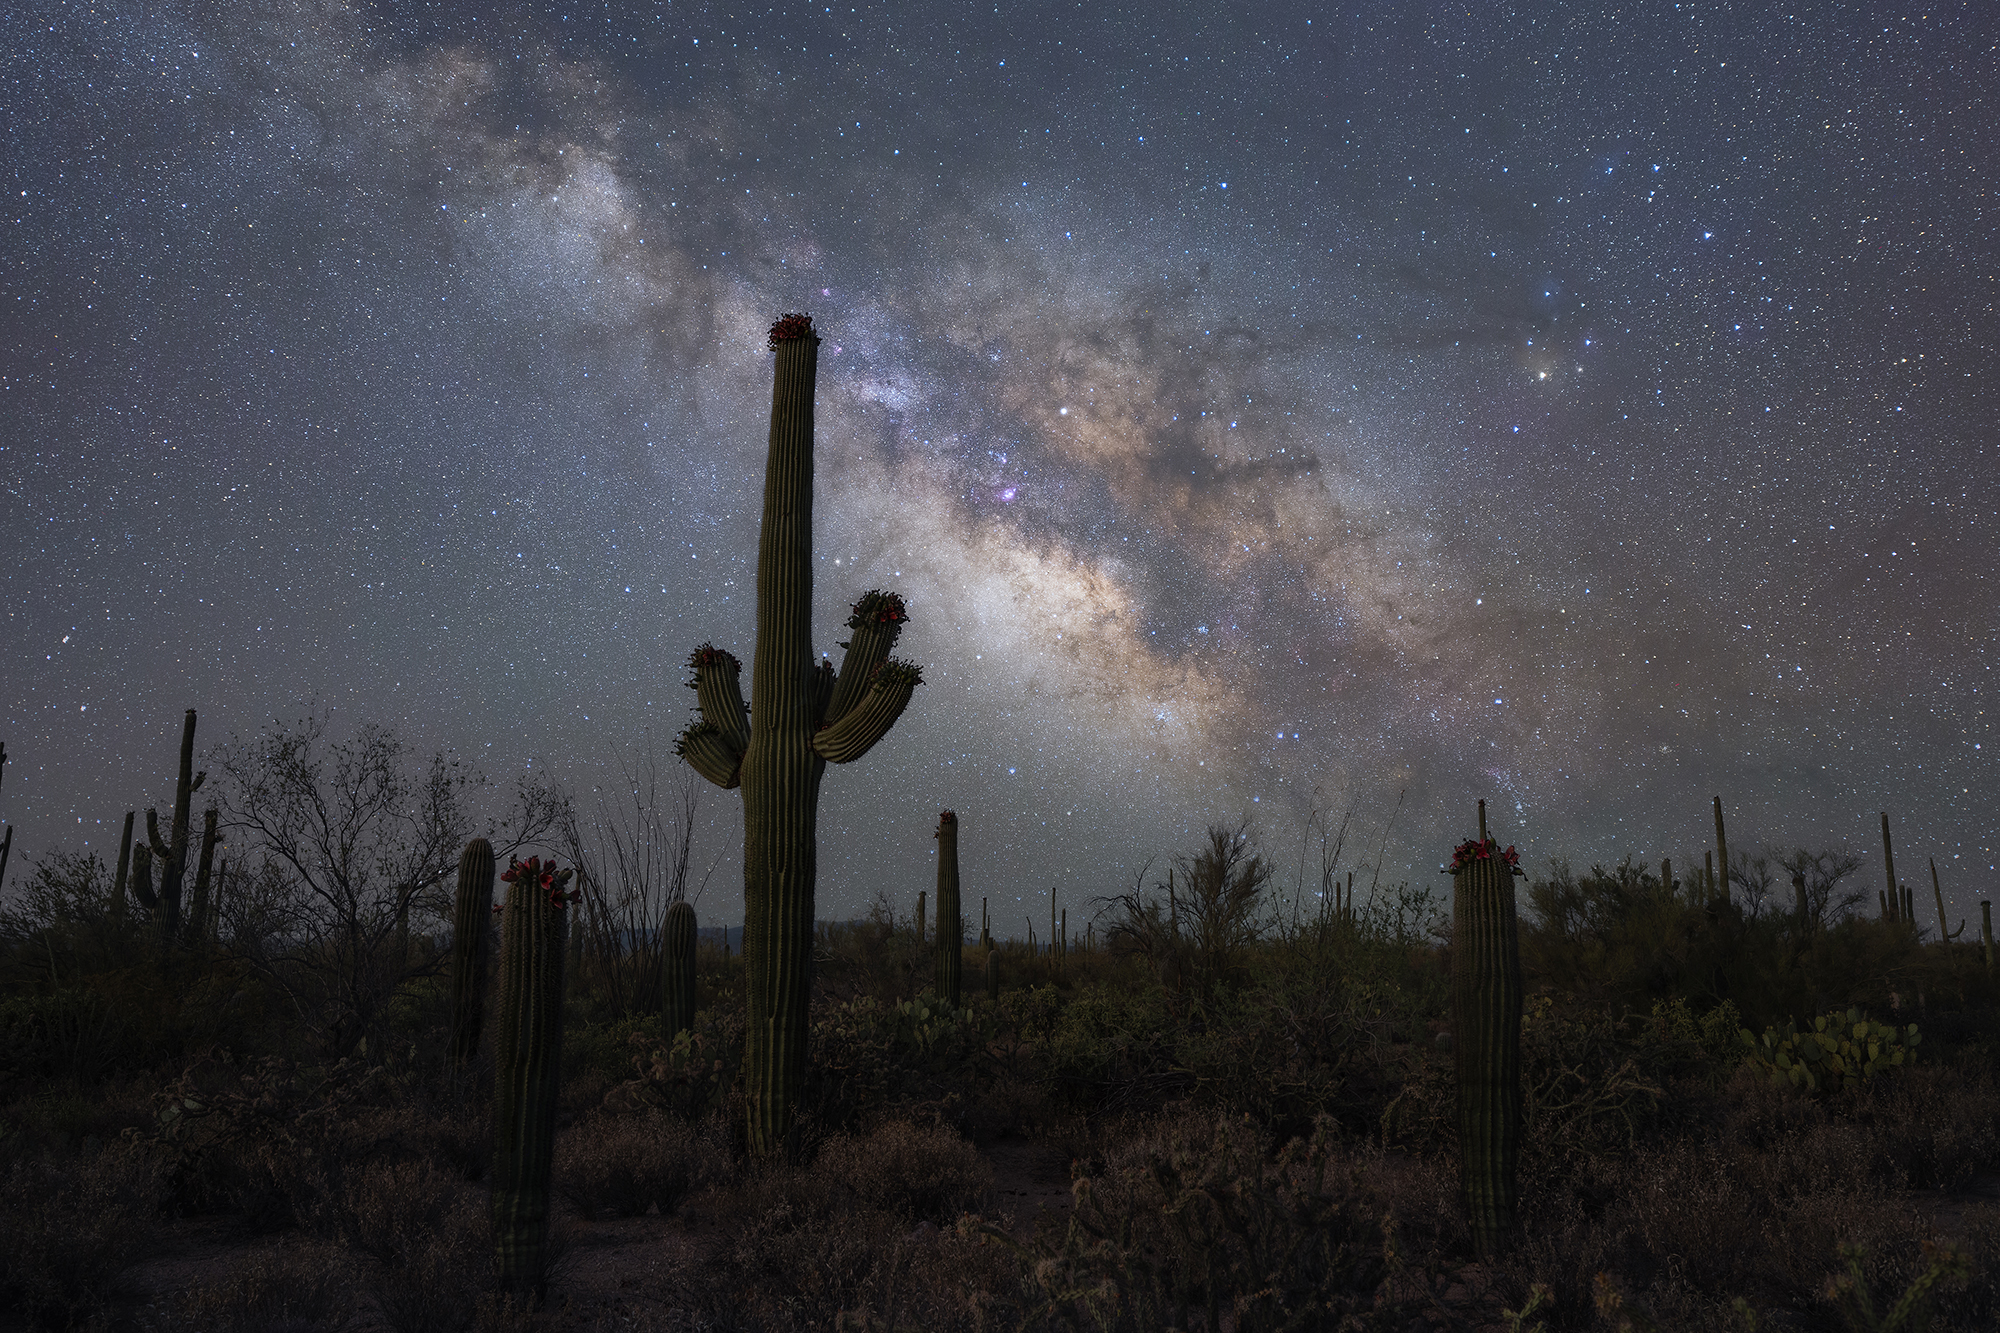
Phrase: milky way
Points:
(1318, 408)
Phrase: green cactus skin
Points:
(124, 868)
(528, 1069)
(471, 929)
(172, 854)
(950, 930)
(677, 959)
(1486, 1043)
(802, 716)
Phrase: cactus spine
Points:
(528, 1069)
(1486, 1035)
(677, 966)
(471, 925)
(949, 929)
(802, 717)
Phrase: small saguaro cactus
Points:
(1937, 890)
(471, 925)
(124, 868)
(1486, 1033)
(677, 970)
(920, 918)
(1986, 928)
(801, 717)
(528, 1070)
(1892, 897)
(949, 928)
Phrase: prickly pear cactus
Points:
(528, 1069)
(1840, 1051)
(1486, 1035)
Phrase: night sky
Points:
(1587, 408)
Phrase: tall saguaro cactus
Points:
(471, 924)
(1721, 886)
(802, 716)
(677, 957)
(1486, 1035)
(171, 852)
(528, 1070)
(951, 930)
(1892, 897)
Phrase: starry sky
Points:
(1262, 408)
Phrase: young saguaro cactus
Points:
(171, 852)
(1486, 1035)
(471, 924)
(528, 1069)
(802, 717)
(677, 957)
(950, 931)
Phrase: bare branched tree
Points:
(1816, 878)
(633, 863)
(344, 842)
(1751, 878)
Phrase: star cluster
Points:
(1262, 412)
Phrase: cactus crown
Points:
(792, 327)
(876, 607)
(897, 672)
(709, 655)
(533, 872)
(1473, 849)
(947, 817)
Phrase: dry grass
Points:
(627, 1165)
(70, 1227)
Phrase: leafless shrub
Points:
(68, 1228)
(628, 1164)
(293, 1288)
(916, 1172)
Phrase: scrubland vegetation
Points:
(1250, 1099)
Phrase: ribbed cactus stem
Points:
(528, 1069)
(677, 959)
(802, 716)
(471, 929)
(1486, 1038)
(950, 930)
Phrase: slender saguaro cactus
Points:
(677, 970)
(1894, 895)
(199, 921)
(1944, 933)
(471, 924)
(528, 1070)
(124, 868)
(920, 918)
(1721, 855)
(7, 842)
(802, 717)
(950, 930)
(1986, 928)
(171, 853)
(1486, 1036)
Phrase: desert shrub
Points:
(292, 1288)
(1197, 1227)
(67, 1228)
(688, 1078)
(1840, 1050)
(1101, 1048)
(626, 1164)
(72, 1033)
(867, 1056)
(917, 1173)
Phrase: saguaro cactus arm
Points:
(714, 744)
(877, 619)
(856, 733)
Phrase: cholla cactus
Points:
(802, 717)
(529, 1067)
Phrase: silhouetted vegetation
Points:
(1248, 1097)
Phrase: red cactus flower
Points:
(791, 327)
